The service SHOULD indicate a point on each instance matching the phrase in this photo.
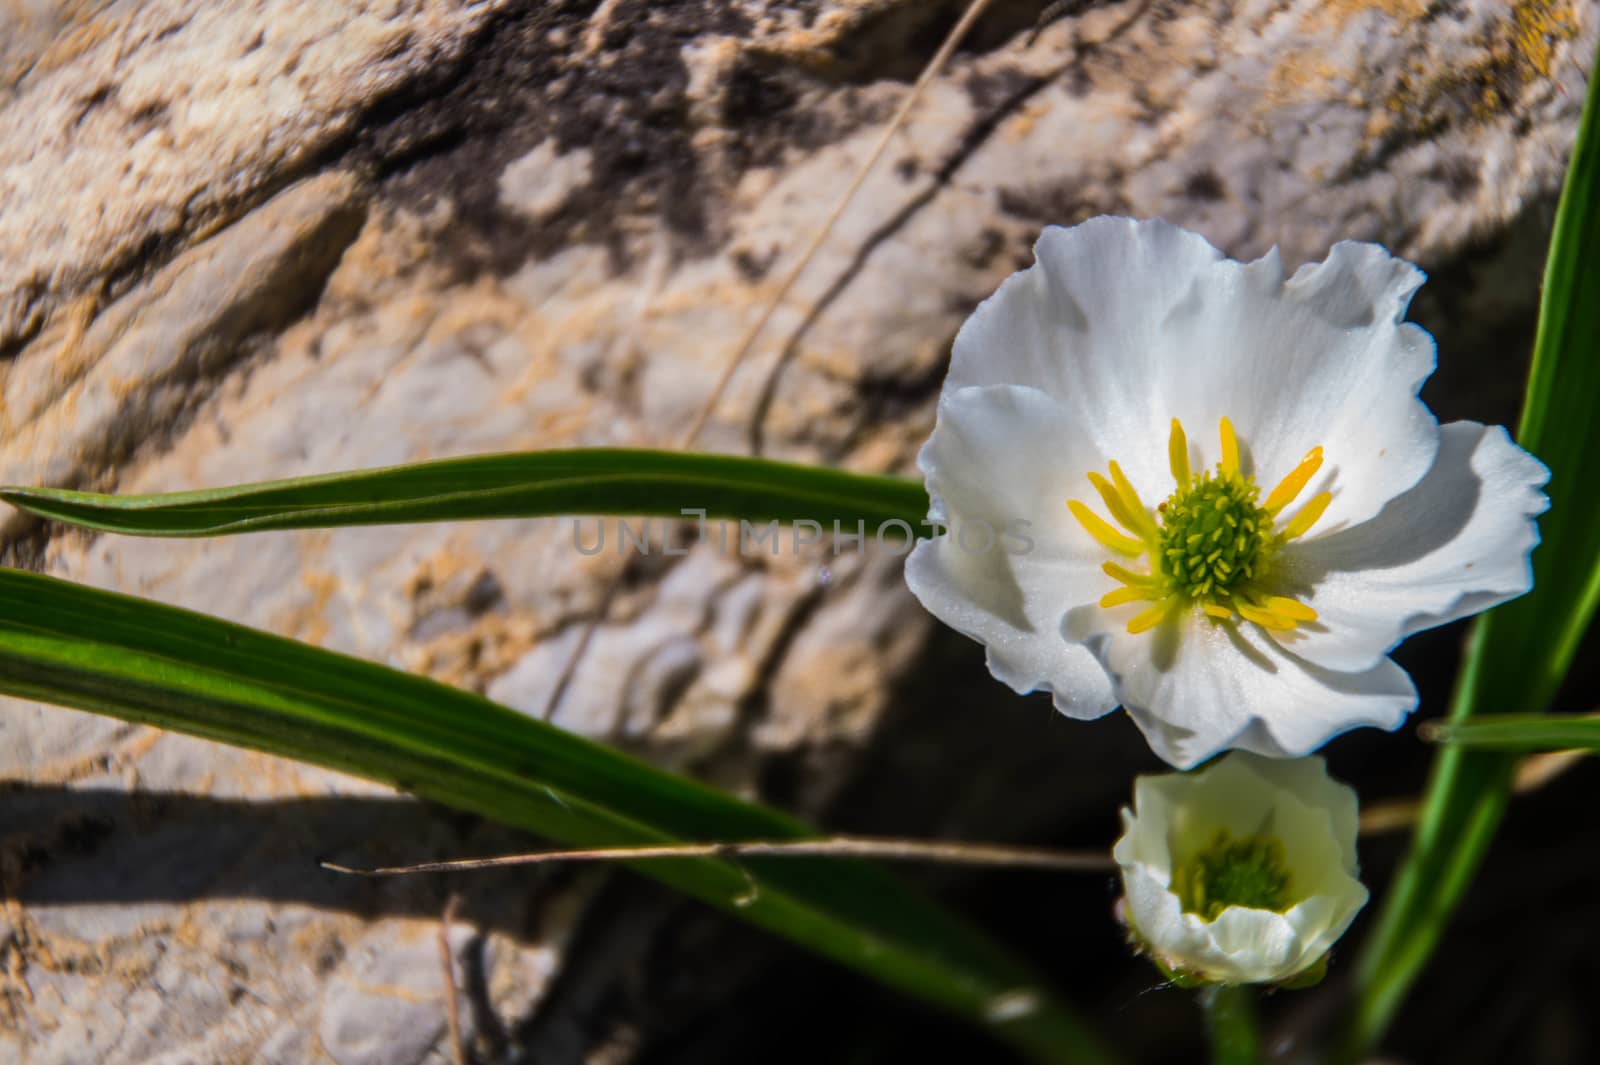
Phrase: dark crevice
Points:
(1481, 304)
(587, 1003)
(1009, 93)
(755, 706)
(152, 417)
(887, 400)
(122, 273)
(26, 543)
(231, 342)
(975, 137)
(525, 79)
(895, 42)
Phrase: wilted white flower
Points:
(1243, 872)
(1239, 585)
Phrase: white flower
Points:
(1236, 504)
(1243, 872)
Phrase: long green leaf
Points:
(158, 665)
(520, 485)
(1520, 653)
(1523, 733)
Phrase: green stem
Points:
(1231, 1024)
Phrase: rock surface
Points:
(263, 239)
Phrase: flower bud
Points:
(1243, 872)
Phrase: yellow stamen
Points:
(1114, 503)
(1230, 450)
(1146, 526)
(1267, 619)
(1118, 596)
(1102, 530)
(1293, 609)
(1301, 523)
(1210, 545)
(1178, 454)
(1146, 620)
(1291, 485)
(1127, 576)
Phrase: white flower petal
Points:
(1007, 453)
(1322, 919)
(1195, 687)
(1155, 797)
(1130, 324)
(1455, 544)
(1255, 946)
(1243, 794)
(1185, 941)
(1084, 323)
(1308, 782)
(1325, 704)
(1258, 946)
(1016, 616)
(1322, 359)
(1158, 918)
(986, 471)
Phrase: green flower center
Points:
(1208, 545)
(1247, 872)
(1214, 536)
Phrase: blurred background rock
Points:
(275, 237)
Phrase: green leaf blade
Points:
(158, 665)
(1519, 654)
(594, 481)
(1521, 733)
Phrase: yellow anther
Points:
(1267, 619)
(1230, 450)
(1210, 544)
(1103, 531)
(1127, 576)
(1293, 609)
(1301, 523)
(1114, 503)
(1146, 620)
(1146, 526)
(1291, 485)
(1178, 454)
(1125, 594)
